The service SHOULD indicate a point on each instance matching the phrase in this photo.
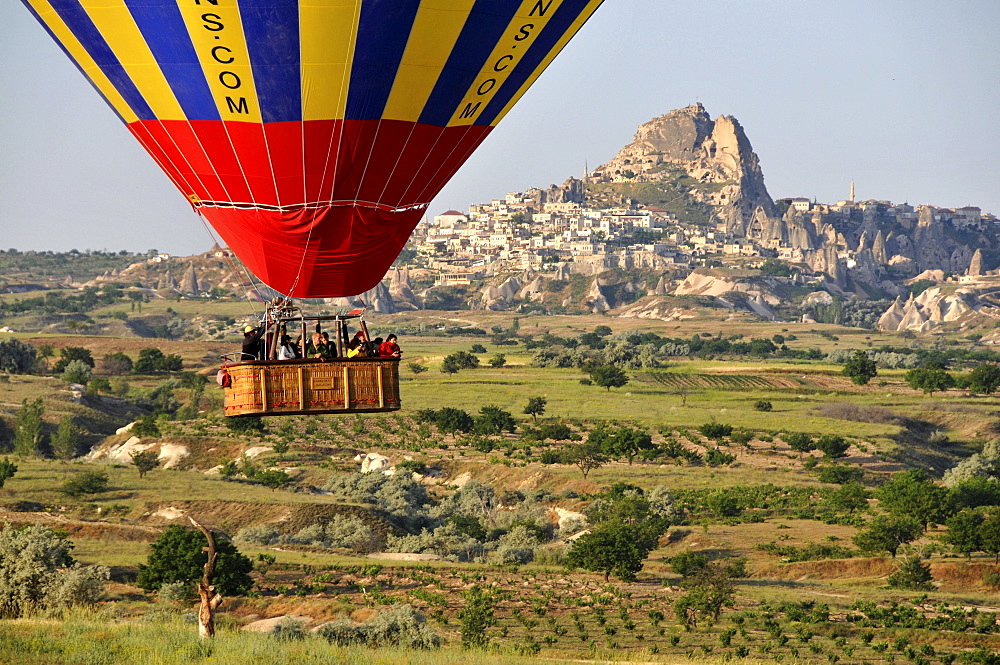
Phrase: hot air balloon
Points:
(312, 134)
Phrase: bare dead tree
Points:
(210, 599)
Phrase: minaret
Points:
(852, 191)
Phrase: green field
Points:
(546, 613)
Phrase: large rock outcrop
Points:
(715, 152)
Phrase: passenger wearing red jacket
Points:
(389, 348)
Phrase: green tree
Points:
(498, 361)
(929, 379)
(86, 482)
(984, 378)
(586, 456)
(617, 549)
(710, 589)
(70, 353)
(7, 471)
(886, 533)
(116, 363)
(416, 368)
(17, 357)
(799, 442)
(477, 616)
(860, 368)
(851, 496)
(535, 407)
(450, 420)
(609, 377)
(179, 555)
(624, 442)
(483, 444)
(149, 361)
(458, 361)
(991, 534)
(144, 461)
(29, 434)
(912, 493)
(66, 441)
(912, 575)
(965, 532)
(832, 446)
(494, 420)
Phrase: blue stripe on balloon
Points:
(483, 29)
(76, 19)
(167, 37)
(553, 31)
(272, 35)
(72, 59)
(383, 30)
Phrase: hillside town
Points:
(520, 233)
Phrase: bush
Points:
(840, 474)
(145, 427)
(450, 420)
(399, 626)
(494, 420)
(86, 482)
(37, 573)
(686, 564)
(762, 405)
(179, 555)
(912, 575)
(715, 431)
(716, 457)
(799, 441)
(741, 437)
(77, 371)
(246, 425)
(261, 534)
(116, 364)
(832, 446)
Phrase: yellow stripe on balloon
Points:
(82, 58)
(574, 28)
(328, 33)
(122, 35)
(217, 36)
(527, 24)
(436, 30)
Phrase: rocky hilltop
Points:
(715, 155)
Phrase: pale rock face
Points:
(925, 311)
(172, 454)
(596, 299)
(568, 517)
(891, 317)
(371, 462)
(976, 264)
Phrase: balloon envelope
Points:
(312, 135)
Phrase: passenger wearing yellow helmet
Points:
(251, 342)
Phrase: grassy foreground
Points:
(90, 639)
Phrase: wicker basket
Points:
(289, 387)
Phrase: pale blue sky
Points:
(901, 96)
